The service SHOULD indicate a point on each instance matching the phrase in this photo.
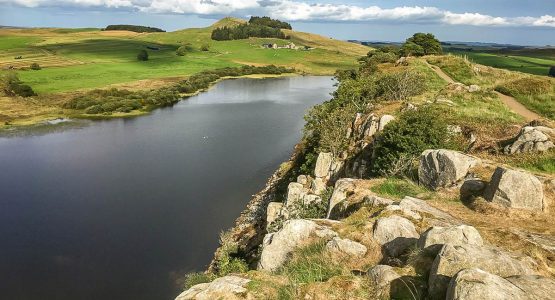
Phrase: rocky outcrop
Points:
(346, 247)
(295, 193)
(434, 238)
(515, 189)
(531, 139)
(395, 234)
(535, 287)
(443, 168)
(278, 246)
(471, 284)
(327, 166)
(343, 187)
(273, 212)
(227, 287)
(347, 196)
(452, 259)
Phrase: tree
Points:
(142, 56)
(552, 71)
(427, 42)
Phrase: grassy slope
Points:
(76, 59)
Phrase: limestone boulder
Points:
(471, 284)
(530, 139)
(273, 211)
(384, 120)
(406, 212)
(318, 186)
(343, 187)
(323, 165)
(395, 234)
(373, 200)
(443, 168)
(295, 193)
(347, 247)
(227, 287)
(303, 179)
(434, 238)
(452, 259)
(277, 247)
(434, 215)
(515, 189)
(382, 277)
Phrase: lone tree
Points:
(422, 44)
(35, 66)
(142, 56)
(552, 71)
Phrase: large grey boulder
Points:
(277, 247)
(452, 259)
(515, 189)
(382, 276)
(273, 211)
(317, 186)
(530, 139)
(472, 284)
(443, 168)
(395, 234)
(384, 120)
(434, 238)
(227, 287)
(346, 246)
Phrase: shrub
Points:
(551, 71)
(227, 258)
(407, 136)
(205, 47)
(401, 85)
(142, 56)
(35, 66)
(12, 86)
(183, 50)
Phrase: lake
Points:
(116, 209)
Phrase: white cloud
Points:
(302, 11)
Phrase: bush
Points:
(205, 47)
(182, 50)
(142, 56)
(401, 86)
(551, 71)
(35, 66)
(227, 259)
(12, 86)
(407, 136)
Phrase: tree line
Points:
(263, 27)
(134, 28)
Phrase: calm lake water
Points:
(113, 209)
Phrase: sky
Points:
(523, 22)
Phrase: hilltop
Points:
(72, 62)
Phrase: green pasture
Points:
(526, 64)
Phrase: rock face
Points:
(323, 165)
(278, 246)
(470, 284)
(530, 139)
(295, 193)
(395, 234)
(536, 287)
(273, 211)
(346, 246)
(227, 287)
(435, 237)
(442, 168)
(341, 190)
(451, 259)
(515, 189)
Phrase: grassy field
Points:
(526, 62)
(73, 59)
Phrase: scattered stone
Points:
(404, 211)
(472, 188)
(515, 189)
(374, 200)
(443, 168)
(384, 120)
(273, 211)
(303, 179)
(280, 245)
(295, 193)
(434, 238)
(473, 88)
(346, 246)
(395, 234)
(451, 259)
(227, 287)
(471, 284)
(530, 139)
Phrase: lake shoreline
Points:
(44, 120)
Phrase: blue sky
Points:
(530, 22)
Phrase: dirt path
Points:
(511, 102)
